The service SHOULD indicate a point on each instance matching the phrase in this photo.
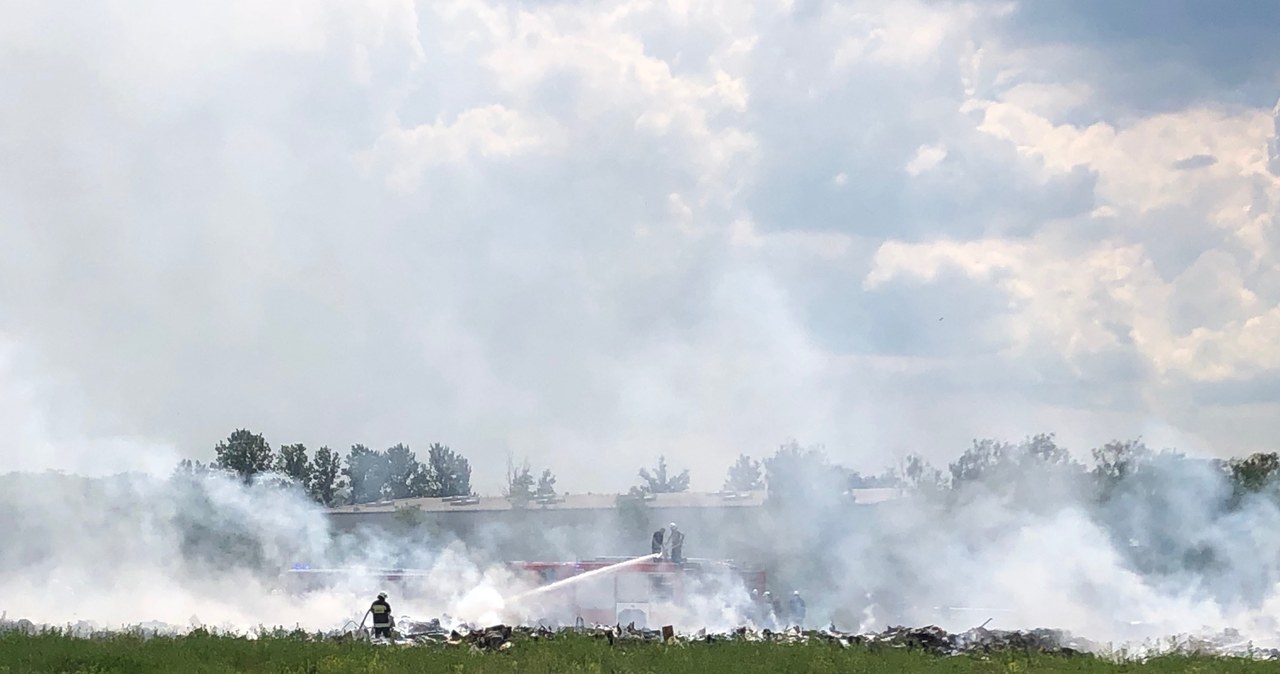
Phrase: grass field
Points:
(51, 652)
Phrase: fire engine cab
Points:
(640, 593)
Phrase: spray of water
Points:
(583, 577)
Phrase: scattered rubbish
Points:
(930, 638)
(935, 640)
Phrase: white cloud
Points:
(1137, 164)
(1048, 99)
(927, 158)
(553, 228)
(492, 132)
(608, 59)
(903, 34)
(1071, 302)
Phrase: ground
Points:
(50, 652)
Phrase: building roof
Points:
(592, 502)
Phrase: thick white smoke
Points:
(184, 552)
(1166, 553)
(1170, 550)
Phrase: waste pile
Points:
(935, 640)
(494, 638)
(931, 639)
(87, 629)
(1226, 642)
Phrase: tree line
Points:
(364, 475)
(1011, 469)
(1027, 472)
(1116, 467)
(792, 471)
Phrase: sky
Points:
(586, 234)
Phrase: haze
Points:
(573, 230)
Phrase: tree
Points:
(292, 463)
(326, 476)
(366, 471)
(1254, 473)
(245, 454)
(1043, 449)
(659, 482)
(1036, 472)
(189, 468)
(449, 473)
(1045, 475)
(920, 475)
(744, 475)
(519, 482)
(405, 478)
(985, 459)
(1116, 462)
(546, 485)
(798, 474)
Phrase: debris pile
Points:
(1226, 643)
(86, 629)
(431, 630)
(938, 641)
(496, 638)
(931, 639)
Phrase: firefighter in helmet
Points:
(796, 608)
(382, 619)
(656, 546)
(677, 544)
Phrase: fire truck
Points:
(643, 593)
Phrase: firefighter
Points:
(797, 609)
(773, 615)
(382, 620)
(656, 547)
(677, 544)
(766, 610)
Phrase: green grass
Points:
(52, 652)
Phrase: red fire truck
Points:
(637, 593)
(643, 592)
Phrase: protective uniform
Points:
(656, 547)
(773, 610)
(797, 609)
(677, 544)
(382, 620)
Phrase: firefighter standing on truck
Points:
(676, 544)
(382, 620)
(656, 546)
